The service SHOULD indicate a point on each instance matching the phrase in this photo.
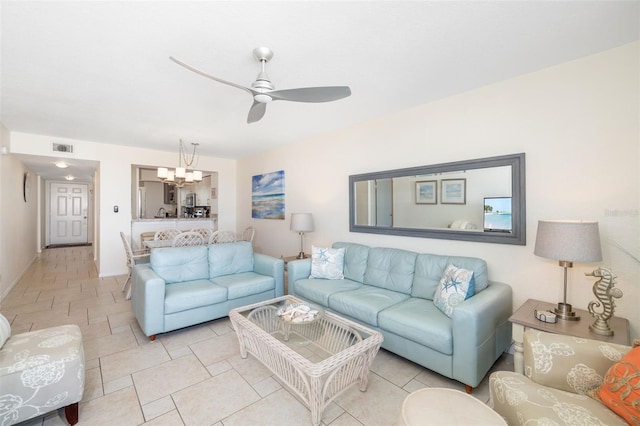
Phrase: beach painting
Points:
(267, 196)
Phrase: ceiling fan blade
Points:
(311, 94)
(204, 74)
(256, 112)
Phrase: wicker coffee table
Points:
(316, 360)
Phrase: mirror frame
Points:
(518, 194)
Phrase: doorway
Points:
(68, 203)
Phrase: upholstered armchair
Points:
(40, 371)
(561, 384)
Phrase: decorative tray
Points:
(299, 313)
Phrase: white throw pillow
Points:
(5, 330)
(327, 263)
(456, 285)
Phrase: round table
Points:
(441, 406)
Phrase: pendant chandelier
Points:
(181, 176)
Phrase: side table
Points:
(525, 318)
(286, 277)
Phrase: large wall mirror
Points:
(479, 200)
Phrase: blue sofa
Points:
(183, 286)
(391, 290)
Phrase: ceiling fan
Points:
(262, 90)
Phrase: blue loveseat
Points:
(392, 290)
(183, 286)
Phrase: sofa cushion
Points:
(430, 268)
(244, 284)
(327, 263)
(187, 295)
(620, 390)
(319, 291)
(230, 258)
(419, 320)
(355, 260)
(178, 264)
(365, 303)
(391, 269)
(454, 288)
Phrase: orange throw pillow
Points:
(620, 389)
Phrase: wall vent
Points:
(61, 147)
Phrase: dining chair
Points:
(188, 238)
(133, 258)
(218, 237)
(205, 232)
(166, 234)
(247, 234)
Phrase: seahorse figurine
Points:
(605, 292)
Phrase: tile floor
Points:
(193, 376)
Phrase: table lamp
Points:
(568, 241)
(301, 223)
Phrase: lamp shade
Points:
(301, 222)
(568, 240)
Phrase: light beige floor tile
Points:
(158, 407)
(398, 371)
(172, 376)
(277, 409)
(107, 345)
(94, 331)
(92, 385)
(132, 360)
(116, 385)
(267, 386)
(413, 386)
(121, 319)
(214, 399)
(252, 370)
(119, 408)
(435, 380)
(379, 405)
(216, 349)
(186, 336)
(172, 418)
(179, 352)
(221, 326)
(346, 420)
(218, 367)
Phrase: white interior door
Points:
(68, 213)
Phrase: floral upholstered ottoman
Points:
(40, 371)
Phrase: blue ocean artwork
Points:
(267, 196)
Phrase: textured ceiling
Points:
(100, 71)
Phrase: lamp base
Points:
(564, 311)
(301, 255)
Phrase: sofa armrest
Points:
(147, 299)
(481, 332)
(271, 266)
(297, 270)
(568, 363)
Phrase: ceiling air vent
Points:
(61, 147)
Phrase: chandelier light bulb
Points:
(163, 172)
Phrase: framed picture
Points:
(267, 196)
(427, 192)
(454, 191)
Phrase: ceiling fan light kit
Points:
(263, 91)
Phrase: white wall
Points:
(18, 220)
(578, 124)
(113, 188)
